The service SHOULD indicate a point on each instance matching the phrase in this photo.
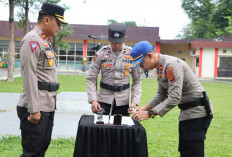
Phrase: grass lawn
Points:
(162, 133)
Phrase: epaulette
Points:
(105, 47)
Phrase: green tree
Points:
(111, 21)
(221, 16)
(130, 23)
(66, 31)
(209, 18)
(199, 12)
(10, 75)
(127, 23)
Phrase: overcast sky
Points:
(165, 14)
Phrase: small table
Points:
(108, 140)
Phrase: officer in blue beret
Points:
(37, 103)
(177, 86)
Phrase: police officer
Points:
(177, 85)
(114, 63)
(37, 103)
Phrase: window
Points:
(197, 62)
(179, 52)
(225, 62)
(224, 51)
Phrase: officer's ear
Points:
(149, 55)
(47, 20)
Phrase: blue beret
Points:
(139, 51)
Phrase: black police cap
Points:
(116, 32)
(54, 10)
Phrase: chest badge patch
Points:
(106, 57)
(126, 72)
(49, 54)
(161, 67)
(127, 66)
(50, 62)
(127, 57)
(170, 74)
(43, 36)
(33, 45)
(104, 65)
(45, 44)
(163, 75)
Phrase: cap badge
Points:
(116, 35)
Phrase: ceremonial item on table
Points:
(100, 116)
(117, 119)
(111, 108)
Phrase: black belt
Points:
(48, 86)
(190, 104)
(199, 102)
(114, 88)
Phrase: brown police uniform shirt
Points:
(177, 84)
(115, 70)
(38, 63)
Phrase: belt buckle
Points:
(120, 88)
(115, 88)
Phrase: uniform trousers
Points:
(35, 137)
(116, 109)
(192, 134)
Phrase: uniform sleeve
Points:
(175, 76)
(92, 77)
(136, 88)
(160, 96)
(29, 54)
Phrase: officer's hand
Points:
(130, 110)
(95, 106)
(34, 118)
(144, 108)
(140, 115)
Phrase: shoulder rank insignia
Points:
(95, 57)
(170, 74)
(33, 45)
(161, 67)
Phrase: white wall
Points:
(208, 63)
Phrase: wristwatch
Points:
(151, 113)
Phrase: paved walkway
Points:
(69, 110)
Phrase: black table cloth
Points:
(109, 141)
